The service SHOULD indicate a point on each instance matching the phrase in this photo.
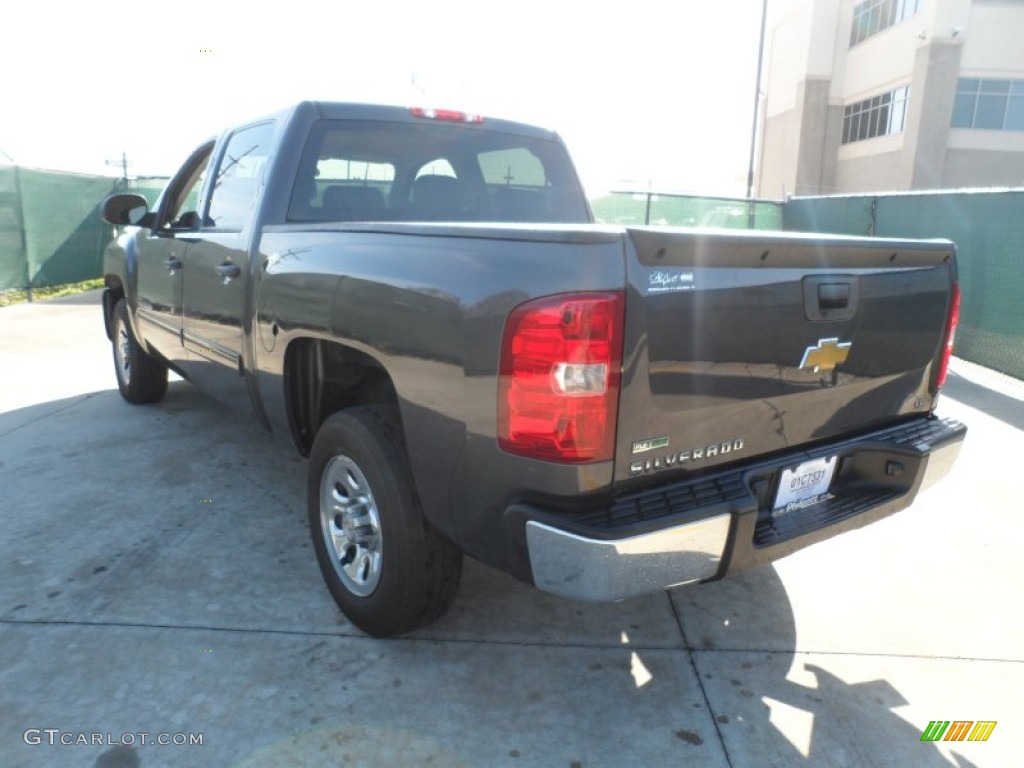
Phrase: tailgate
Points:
(743, 344)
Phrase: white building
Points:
(883, 95)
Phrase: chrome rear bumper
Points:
(700, 523)
(590, 569)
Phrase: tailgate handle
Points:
(833, 295)
(830, 298)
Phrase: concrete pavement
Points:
(156, 576)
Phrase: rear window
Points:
(383, 171)
(507, 167)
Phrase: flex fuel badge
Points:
(669, 281)
(642, 446)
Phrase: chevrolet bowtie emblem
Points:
(826, 355)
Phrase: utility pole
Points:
(753, 129)
(414, 82)
(123, 162)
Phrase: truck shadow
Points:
(776, 706)
(765, 703)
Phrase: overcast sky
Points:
(647, 91)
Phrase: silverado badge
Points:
(826, 355)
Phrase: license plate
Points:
(806, 484)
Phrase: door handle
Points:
(228, 271)
(833, 295)
(173, 264)
(830, 298)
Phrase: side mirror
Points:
(124, 209)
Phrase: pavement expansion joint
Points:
(78, 399)
(434, 639)
(700, 683)
(858, 654)
(352, 635)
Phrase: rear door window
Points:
(238, 178)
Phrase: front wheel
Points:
(140, 377)
(387, 568)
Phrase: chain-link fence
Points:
(50, 231)
(632, 208)
(988, 228)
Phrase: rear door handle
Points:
(173, 264)
(228, 271)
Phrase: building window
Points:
(873, 16)
(878, 116)
(994, 105)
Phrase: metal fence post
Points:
(21, 230)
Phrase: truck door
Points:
(161, 257)
(216, 266)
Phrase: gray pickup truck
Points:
(421, 298)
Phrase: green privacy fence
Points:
(631, 208)
(50, 233)
(988, 228)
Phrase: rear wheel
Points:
(140, 377)
(387, 568)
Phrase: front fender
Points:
(120, 272)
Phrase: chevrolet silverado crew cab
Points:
(422, 300)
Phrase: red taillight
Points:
(951, 323)
(449, 115)
(558, 394)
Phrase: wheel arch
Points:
(322, 377)
(113, 294)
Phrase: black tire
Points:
(140, 377)
(387, 568)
